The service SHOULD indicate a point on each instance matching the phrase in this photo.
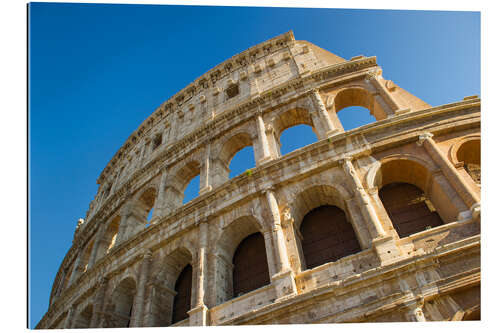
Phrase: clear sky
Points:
(97, 71)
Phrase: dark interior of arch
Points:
(182, 301)
(327, 236)
(123, 300)
(409, 208)
(470, 154)
(250, 265)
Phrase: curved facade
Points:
(379, 223)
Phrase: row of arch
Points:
(325, 231)
(466, 154)
(358, 104)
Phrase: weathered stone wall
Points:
(122, 262)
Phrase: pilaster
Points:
(160, 199)
(137, 316)
(99, 303)
(327, 127)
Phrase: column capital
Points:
(315, 90)
(202, 220)
(345, 159)
(269, 128)
(268, 189)
(258, 112)
(372, 75)
(423, 137)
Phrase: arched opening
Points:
(84, 318)
(147, 200)
(109, 238)
(354, 117)
(182, 300)
(236, 156)
(227, 262)
(300, 131)
(250, 270)
(470, 154)
(321, 211)
(412, 199)
(327, 236)
(242, 161)
(359, 97)
(296, 137)
(122, 301)
(192, 189)
(409, 209)
(185, 186)
(170, 288)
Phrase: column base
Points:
(198, 316)
(387, 250)
(284, 284)
(401, 111)
(264, 160)
(205, 190)
(332, 132)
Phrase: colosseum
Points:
(380, 223)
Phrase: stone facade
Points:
(123, 270)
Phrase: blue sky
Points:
(97, 71)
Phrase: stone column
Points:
(269, 252)
(327, 124)
(283, 280)
(363, 200)
(395, 108)
(357, 220)
(383, 244)
(172, 199)
(263, 143)
(160, 200)
(468, 195)
(273, 142)
(70, 318)
(277, 232)
(99, 239)
(198, 316)
(294, 238)
(99, 303)
(138, 308)
(205, 181)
